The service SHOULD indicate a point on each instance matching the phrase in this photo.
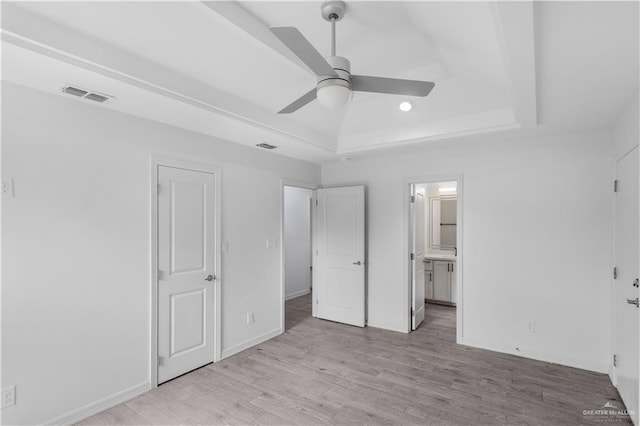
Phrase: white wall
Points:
(297, 241)
(536, 244)
(75, 244)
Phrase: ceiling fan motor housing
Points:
(342, 67)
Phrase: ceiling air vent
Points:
(73, 91)
(96, 97)
(266, 146)
(81, 93)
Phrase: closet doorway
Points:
(297, 201)
(434, 258)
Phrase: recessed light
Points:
(405, 106)
(447, 189)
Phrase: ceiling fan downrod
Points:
(333, 18)
(333, 11)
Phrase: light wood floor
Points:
(320, 372)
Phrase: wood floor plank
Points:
(320, 372)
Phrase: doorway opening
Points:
(434, 243)
(326, 232)
(297, 253)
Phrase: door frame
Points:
(156, 161)
(298, 184)
(408, 228)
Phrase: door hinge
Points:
(316, 203)
(615, 273)
(615, 185)
(160, 275)
(412, 256)
(615, 360)
(159, 361)
(412, 311)
(158, 189)
(413, 198)
(316, 300)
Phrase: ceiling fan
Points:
(335, 82)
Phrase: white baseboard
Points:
(582, 364)
(100, 405)
(296, 294)
(252, 342)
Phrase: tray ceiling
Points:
(214, 67)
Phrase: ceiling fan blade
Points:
(295, 41)
(300, 102)
(394, 86)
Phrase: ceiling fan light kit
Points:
(334, 92)
(335, 83)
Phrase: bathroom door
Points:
(417, 261)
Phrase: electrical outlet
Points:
(7, 187)
(250, 318)
(532, 327)
(8, 396)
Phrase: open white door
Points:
(417, 259)
(626, 284)
(187, 268)
(339, 264)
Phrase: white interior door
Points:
(417, 262)
(339, 264)
(627, 253)
(187, 268)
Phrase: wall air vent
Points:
(81, 93)
(266, 146)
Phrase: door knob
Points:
(634, 302)
(210, 278)
(636, 283)
(357, 263)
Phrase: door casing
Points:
(182, 163)
(408, 230)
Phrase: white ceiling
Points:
(215, 68)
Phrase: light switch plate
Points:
(8, 396)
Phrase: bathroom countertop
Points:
(447, 257)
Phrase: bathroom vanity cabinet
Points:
(440, 281)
